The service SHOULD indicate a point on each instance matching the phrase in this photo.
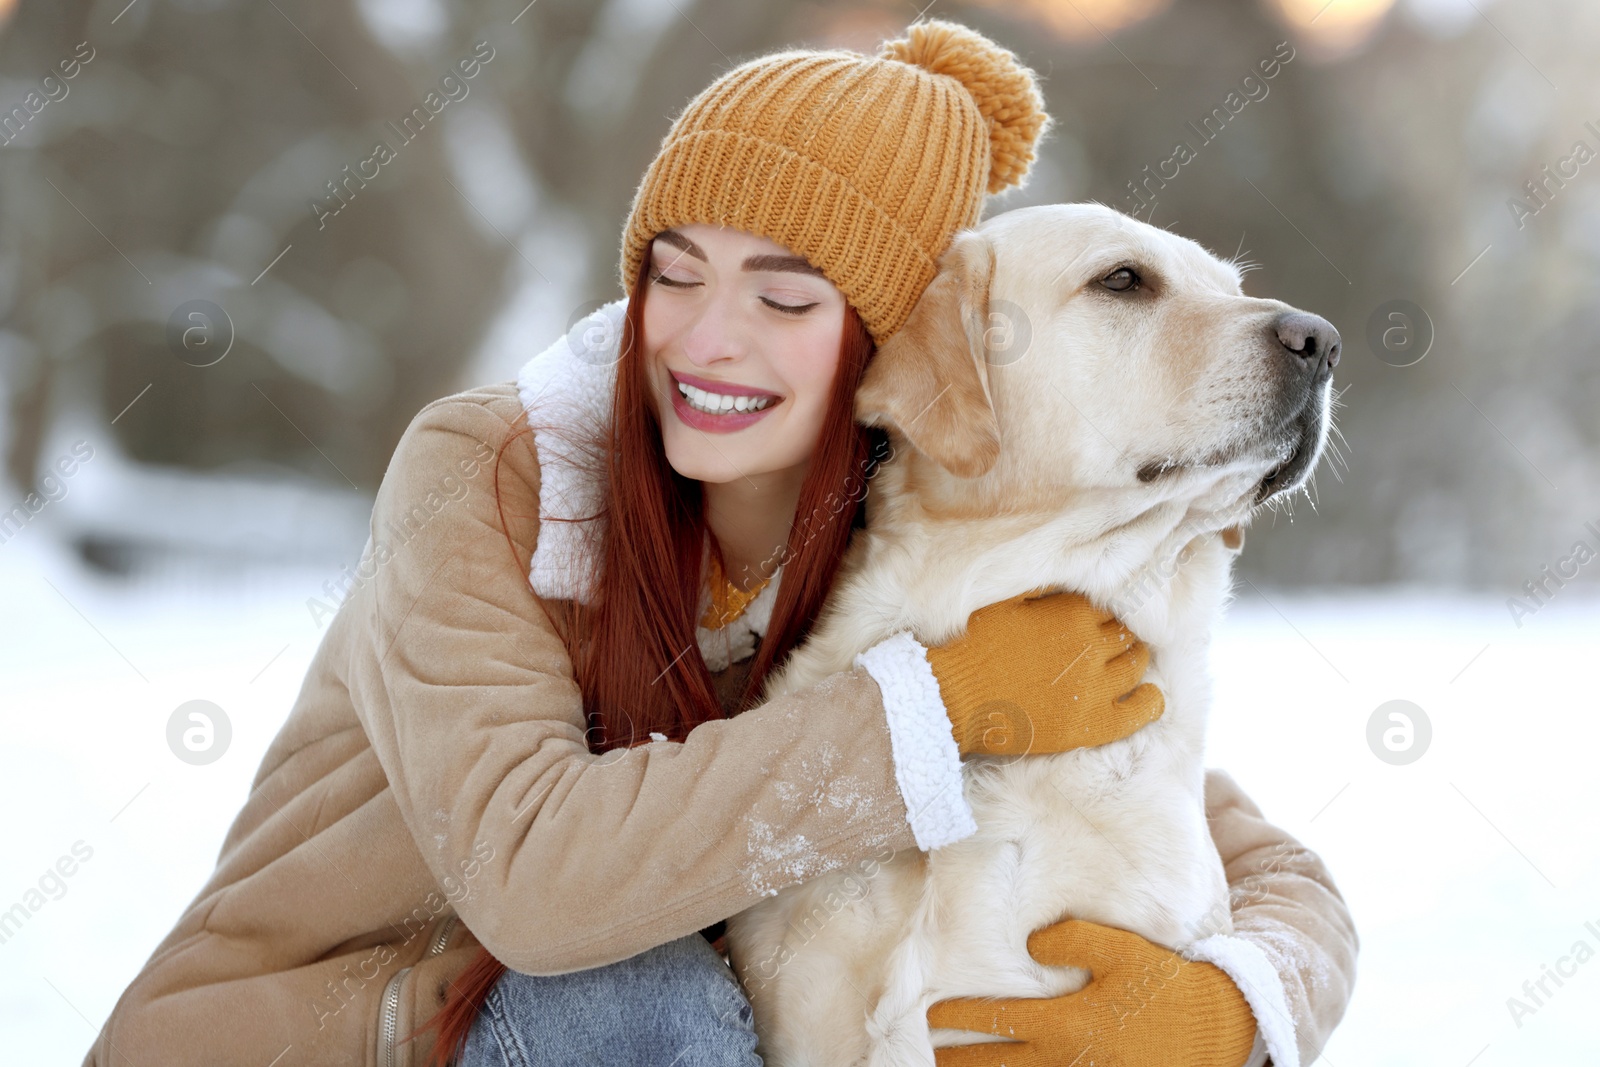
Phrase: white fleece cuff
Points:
(927, 764)
(1247, 965)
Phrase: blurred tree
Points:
(184, 161)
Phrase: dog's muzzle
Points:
(1307, 349)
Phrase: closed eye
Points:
(790, 309)
(660, 278)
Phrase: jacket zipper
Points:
(443, 937)
(390, 1019)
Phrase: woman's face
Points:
(745, 323)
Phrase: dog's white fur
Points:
(1023, 472)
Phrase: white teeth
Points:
(717, 403)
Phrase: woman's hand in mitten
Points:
(1043, 673)
(1144, 1004)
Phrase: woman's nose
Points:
(718, 334)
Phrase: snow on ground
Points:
(1468, 870)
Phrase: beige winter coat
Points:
(432, 790)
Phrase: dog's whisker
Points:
(1336, 460)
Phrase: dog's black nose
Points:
(1310, 339)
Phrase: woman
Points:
(532, 733)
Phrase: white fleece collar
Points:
(571, 385)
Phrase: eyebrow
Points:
(796, 264)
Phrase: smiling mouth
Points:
(709, 402)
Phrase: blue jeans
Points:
(677, 1005)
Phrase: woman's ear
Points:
(930, 380)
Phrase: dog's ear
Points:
(930, 380)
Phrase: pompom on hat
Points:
(864, 165)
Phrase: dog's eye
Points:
(1121, 280)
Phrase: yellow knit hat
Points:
(864, 165)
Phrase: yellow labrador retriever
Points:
(1092, 404)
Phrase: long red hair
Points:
(628, 644)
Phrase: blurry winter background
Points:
(213, 330)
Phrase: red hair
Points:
(628, 644)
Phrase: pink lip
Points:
(725, 388)
(728, 423)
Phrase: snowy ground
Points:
(1467, 870)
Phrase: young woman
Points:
(529, 772)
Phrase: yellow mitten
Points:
(1043, 673)
(1144, 1004)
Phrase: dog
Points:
(1079, 401)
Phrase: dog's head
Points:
(1070, 351)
